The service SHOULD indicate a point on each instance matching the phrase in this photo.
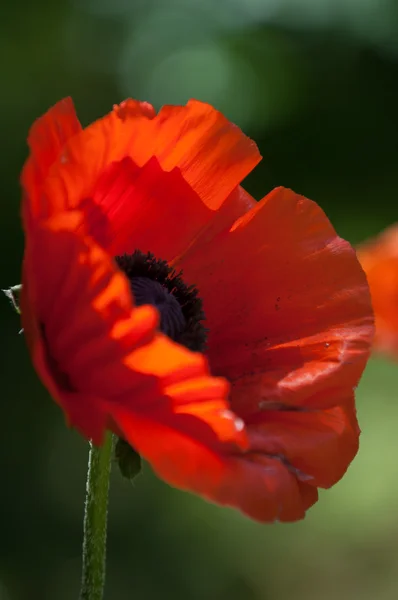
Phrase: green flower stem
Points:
(95, 520)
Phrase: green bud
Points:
(128, 459)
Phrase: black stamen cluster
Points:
(189, 331)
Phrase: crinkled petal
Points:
(318, 444)
(154, 210)
(260, 486)
(212, 154)
(287, 306)
(97, 353)
(147, 181)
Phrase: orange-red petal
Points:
(291, 325)
(155, 210)
(379, 259)
(211, 154)
(99, 355)
(145, 208)
(73, 300)
(260, 486)
(46, 139)
(134, 108)
(319, 444)
(287, 306)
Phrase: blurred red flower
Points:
(379, 259)
(286, 305)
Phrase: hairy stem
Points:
(95, 520)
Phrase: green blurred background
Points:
(315, 83)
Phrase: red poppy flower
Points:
(286, 304)
(379, 258)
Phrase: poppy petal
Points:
(75, 167)
(268, 491)
(134, 108)
(379, 259)
(319, 444)
(238, 203)
(287, 306)
(128, 211)
(212, 154)
(46, 139)
(94, 298)
(96, 352)
(260, 486)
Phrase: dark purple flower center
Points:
(148, 291)
(154, 282)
